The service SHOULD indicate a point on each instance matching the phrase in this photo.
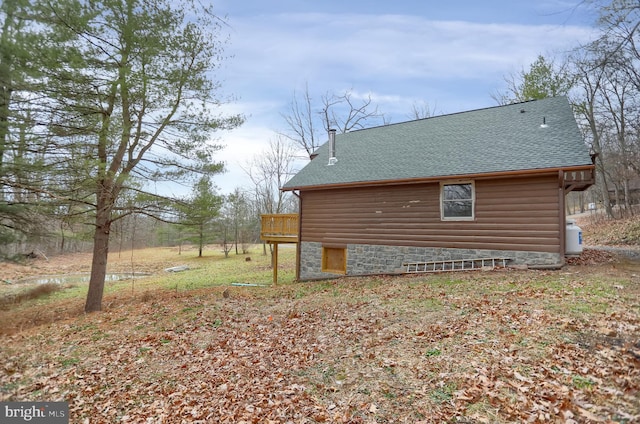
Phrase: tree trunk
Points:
(605, 192)
(99, 262)
(6, 64)
(627, 197)
(62, 237)
(235, 224)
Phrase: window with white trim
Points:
(457, 201)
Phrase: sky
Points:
(450, 55)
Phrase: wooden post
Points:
(562, 216)
(275, 264)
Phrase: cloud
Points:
(282, 48)
(400, 60)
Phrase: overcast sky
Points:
(451, 55)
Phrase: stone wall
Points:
(363, 259)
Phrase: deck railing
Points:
(279, 227)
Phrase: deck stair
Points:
(454, 265)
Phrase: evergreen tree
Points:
(201, 211)
(29, 52)
(544, 79)
(134, 100)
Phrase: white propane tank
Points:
(573, 238)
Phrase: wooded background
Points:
(87, 122)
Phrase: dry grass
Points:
(212, 270)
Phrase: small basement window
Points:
(334, 260)
(457, 201)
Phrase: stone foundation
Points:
(363, 259)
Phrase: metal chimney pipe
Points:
(332, 147)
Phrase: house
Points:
(617, 191)
(487, 184)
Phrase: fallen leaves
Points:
(592, 257)
(598, 230)
(495, 347)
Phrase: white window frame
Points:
(472, 200)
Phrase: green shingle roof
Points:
(496, 139)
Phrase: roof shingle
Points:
(496, 139)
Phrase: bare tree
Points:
(237, 211)
(308, 123)
(421, 111)
(346, 112)
(608, 92)
(268, 171)
(621, 105)
(589, 80)
(620, 24)
(302, 122)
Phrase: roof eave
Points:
(418, 180)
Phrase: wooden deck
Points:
(279, 228)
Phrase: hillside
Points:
(501, 346)
(598, 231)
(204, 345)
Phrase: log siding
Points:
(516, 214)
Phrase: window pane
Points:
(457, 200)
(457, 192)
(457, 209)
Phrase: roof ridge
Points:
(444, 115)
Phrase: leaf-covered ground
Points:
(599, 231)
(497, 347)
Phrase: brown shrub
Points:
(35, 292)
